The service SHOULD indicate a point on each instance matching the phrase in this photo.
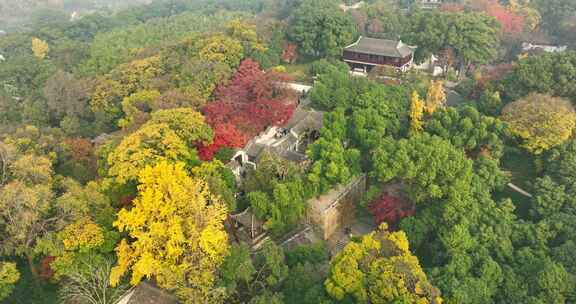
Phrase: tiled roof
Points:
(381, 47)
(303, 120)
(280, 141)
(254, 149)
(146, 293)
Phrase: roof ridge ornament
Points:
(355, 43)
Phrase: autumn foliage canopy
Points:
(290, 52)
(225, 135)
(511, 22)
(391, 209)
(248, 104)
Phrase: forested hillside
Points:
(145, 143)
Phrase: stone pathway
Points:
(298, 87)
(519, 190)
(340, 239)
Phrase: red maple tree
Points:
(45, 270)
(391, 209)
(290, 53)
(512, 23)
(250, 102)
(225, 135)
(489, 75)
(82, 151)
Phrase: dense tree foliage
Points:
(431, 166)
(274, 275)
(554, 14)
(177, 234)
(561, 162)
(321, 28)
(551, 74)
(226, 136)
(374, 110)
(380, 269)
(511, 18)
(435, 97)
(466, 128)
(170, 135)
(220, 180)
(117, 128)
(490, 103)
(9, 275)
(416, 113)
(334, 88)
(27, 213)
(540, 121)
(47, 216)
(147, 71)
(476, 232)
(125, 80)
(67, 99)
(333, 163)
(381, 19)
(472, 36)
(40, 48)
(112, 48)
(277, 193)
(250, 102)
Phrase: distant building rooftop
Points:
(304, 119)
(540, 47)
(381, 47)
(354, 6)
(146, 293)
(430, 4)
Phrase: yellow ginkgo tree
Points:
(436, 96)
(540, 121)
(380, 269)
(170, 135)
(416, 113)
(176, 234)
(40, 48)
(9, 275)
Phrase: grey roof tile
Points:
(382, 47)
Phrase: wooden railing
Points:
(375, 59)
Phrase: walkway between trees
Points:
(519, 190)
(298, 87)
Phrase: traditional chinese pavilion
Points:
(366, 53)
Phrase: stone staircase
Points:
(340, 245)
(259, 241)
